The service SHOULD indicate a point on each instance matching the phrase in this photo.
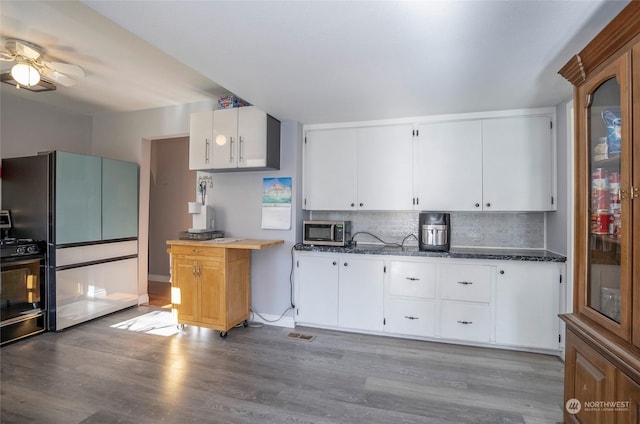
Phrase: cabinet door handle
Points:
(361, 204)
(195, 271)
(502, 271)
(346, 264)
(465, 322)
(240, 155)
(488, 205)
(206, 150)
(410, 317)
(477, 205)
(334, 262)
(353, 204)
(230, 149)
(196, 250)
(465, 283)
(412, 278)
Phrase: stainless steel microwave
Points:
(327, 233)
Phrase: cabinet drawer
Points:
(209, 252)
(414, 317)
(412, 279)
(465, 321)
(465, 282)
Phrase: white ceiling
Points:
(312, 61)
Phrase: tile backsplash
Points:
(468, 229)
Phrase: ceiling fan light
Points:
(25, 74)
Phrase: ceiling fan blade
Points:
(57, 77)
(65, 68)
(6, 56)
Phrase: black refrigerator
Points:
(85, 208)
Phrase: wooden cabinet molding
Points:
(621, 31)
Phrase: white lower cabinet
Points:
(317, 290)
(513, 304)
(339, 291)
(465, 321)
(527, 304)
(410, 305)
(465, 310)
(360, 293)
(465, 282)
(410, 317)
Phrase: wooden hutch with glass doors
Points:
(602, 357)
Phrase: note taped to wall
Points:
(276, 203)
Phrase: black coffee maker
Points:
(434, 231)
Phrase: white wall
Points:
(28, 127)
(119, 135)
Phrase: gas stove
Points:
(12, 247)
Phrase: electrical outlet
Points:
(208, 179)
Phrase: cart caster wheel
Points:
(180, 327)
(245, 323)
(223, 334)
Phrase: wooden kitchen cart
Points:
(602, 368)
(210, 281)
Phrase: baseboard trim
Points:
(159, 278)
(268, 319)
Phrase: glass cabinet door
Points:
(119, 199)
(606, 291)
(78, 198)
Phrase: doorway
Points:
(171, 186)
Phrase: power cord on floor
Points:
(272, 320)
(254, 324)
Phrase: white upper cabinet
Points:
(448, 172)
(385, 168)
(330, 169)
(497, 162)
(500, 164)
(200, 139)
(244, 138)
(368, 168)
(517, 163)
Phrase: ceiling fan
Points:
(31, 66)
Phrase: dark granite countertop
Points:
(459, 253)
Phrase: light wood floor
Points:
(93, 373)
(159, 293)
